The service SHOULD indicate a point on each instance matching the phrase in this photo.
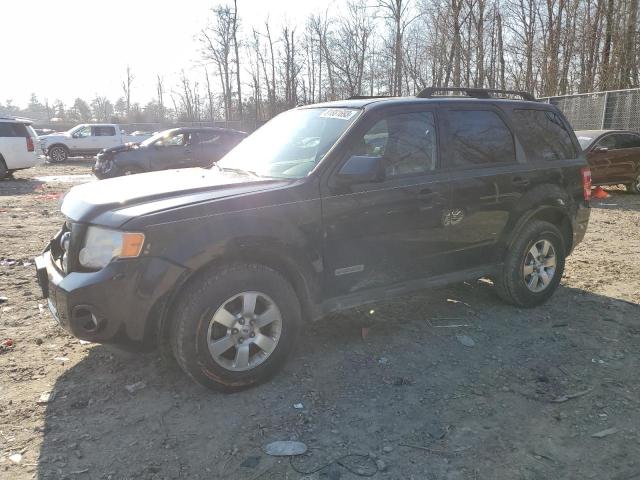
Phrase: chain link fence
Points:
(615, 109)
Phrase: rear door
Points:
(481, 153)
(104, 136)
(392, 231)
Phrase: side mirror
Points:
(362, 169)
(600, 150)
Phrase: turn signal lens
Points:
(131, 244)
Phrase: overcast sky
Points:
(79, 48)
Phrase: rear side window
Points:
(619, 141)
(478, 137)
(544, 135)
(208, 138)
(104, 131)
(13, 130)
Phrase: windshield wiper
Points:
(237, 170)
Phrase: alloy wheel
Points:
(244, 331)
(539, 266)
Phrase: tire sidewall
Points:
(62, 149)
(515, 264)
(199, 305)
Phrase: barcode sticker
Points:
(341, 113)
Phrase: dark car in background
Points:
(175, 148)
(614, 157)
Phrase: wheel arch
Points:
(283, 259)
(58, 145)
(551, 214)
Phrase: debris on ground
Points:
(564, 398)
(285, 448)
(383, 360)
(382, 467)
(6, 345)
(466, 340)
(298, 406)
(605, 433)
(3, 300)
(134, 387)
(46, 397)
(16, 458)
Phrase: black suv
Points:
(324, 208)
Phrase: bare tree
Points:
(126, 89)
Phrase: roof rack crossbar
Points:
(364, 97)
(474, 92)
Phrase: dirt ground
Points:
(523, 400)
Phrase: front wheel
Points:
(533, 266)
(58, 154)
(634, 187)
(234, 326)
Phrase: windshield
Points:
(585, 140)
(291, 144)
(156, 137)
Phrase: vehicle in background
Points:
(85, 140)
(614, 157)
(174, 148)
(18, 141)
(324, 208)
(44, 131)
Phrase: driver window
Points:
(175, 141)
(406, 141)
(83, 132)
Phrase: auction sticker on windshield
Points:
(341, 113)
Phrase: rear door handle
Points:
(520, 182)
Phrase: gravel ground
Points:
(449, 384)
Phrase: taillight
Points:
(30, 146)
(586, 182)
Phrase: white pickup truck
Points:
(85, 140)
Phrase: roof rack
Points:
(364, 97)
(474, 92)
(16, 119)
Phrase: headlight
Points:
(101, 245)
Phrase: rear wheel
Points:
(533, 266)
(58, 154)
(234, 327)
(4, 172)
(634, 187)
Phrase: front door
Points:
(386, 232)
(615, 157)
(174, 151)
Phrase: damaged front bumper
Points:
(111, 305)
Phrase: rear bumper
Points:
(112, 305)
(580, 223)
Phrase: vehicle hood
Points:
(114, 201)
(122, 148)
(52, 137)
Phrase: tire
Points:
(58, 154)
(4, 172)
(635, 186)
(515, 285)
(223, 294)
